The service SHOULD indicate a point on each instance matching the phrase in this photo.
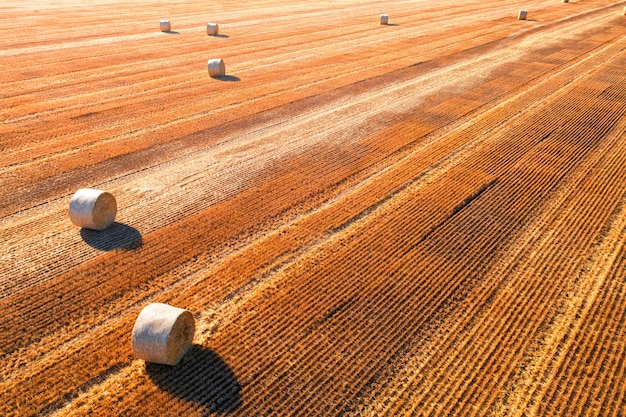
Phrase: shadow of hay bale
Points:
(230, 78)
(116, 236)
(202, 377)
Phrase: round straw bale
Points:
(165, 26)
(212, 29)
(216, 67)
(522, 15)
(93, 209)
(624, 11)
(565, 1)
(162, 333)
(384, 19)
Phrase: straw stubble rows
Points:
(420, 218)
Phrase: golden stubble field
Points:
(424, 218)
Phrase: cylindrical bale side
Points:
(624, 11)
(93, 209)
(384, 19)
(162, 333)
(216, 67)
(165, 25)
(212, 29)
(522, 15)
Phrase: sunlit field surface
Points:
(420, 218)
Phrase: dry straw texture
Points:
(162, 334)
(93, 209)
(216, 67)
(212, 29)
(363, 224)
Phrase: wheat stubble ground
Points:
(426, 218)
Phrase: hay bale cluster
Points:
(216, 67)
(162, 333)
(212, 29)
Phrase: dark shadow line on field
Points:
(472, 197)
(220, 36)
(400, 189)
(201, 377)
(457, 209)
(230, 78)
(116, 236)
(171, 32)
(547, 135)
(390, 24)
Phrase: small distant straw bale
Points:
(522, 15)
(165, 26)
(216, 67)
(162, 333)
(212, 29)
(93, 209)
(384, 19)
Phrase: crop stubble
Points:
(422, 218)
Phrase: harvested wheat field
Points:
(425, 217)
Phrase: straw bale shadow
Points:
(391, 24)
(201, 377)
(219, 35)
(116, 236)
(171, 32)
(230, 78)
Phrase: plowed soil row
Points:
(426, 218)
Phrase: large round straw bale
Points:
(522, 15)
(384, 19)
(216, 67)
(165, 26)
(212, 29)
(162, 333)
(93, 209)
